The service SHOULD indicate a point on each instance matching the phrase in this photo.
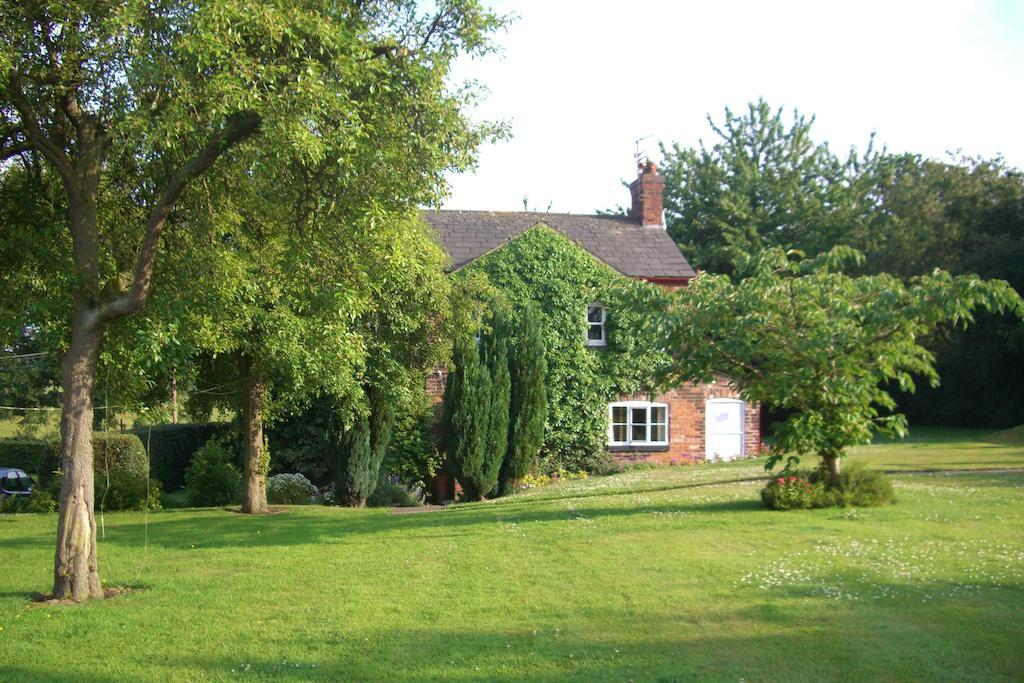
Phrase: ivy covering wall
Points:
(562, 279)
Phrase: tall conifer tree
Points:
(352, 462)
(529, 402)
(467, 399)
(357, 452)
(496, 358)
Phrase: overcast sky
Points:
(580, 81)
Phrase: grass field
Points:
(668, 574)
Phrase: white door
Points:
(723, 428)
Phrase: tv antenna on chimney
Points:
(638, 154)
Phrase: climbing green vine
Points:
(561, 279)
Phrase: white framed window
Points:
(637, 423)
(597, 315)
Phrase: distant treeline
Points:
(763, 181)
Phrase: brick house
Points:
(692, 422)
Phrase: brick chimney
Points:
(648, 192)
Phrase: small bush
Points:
(290, 489)
(602, 462)
(182, 498)
(122, 457)
(532, 481)
(171, 447)
(858, 486)
(110, 450)
(327, 494)
(116, 490)
(123, 452)
(40, 501)
(212, 479)
(394, 493)
(127, 491)
(789, 492)
(865, 487)
(412, 454)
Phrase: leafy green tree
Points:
(908, 230)
(495, 350)
(761, 184)
(528, 407)
(803, 335)
(130, 104)
(467, 419)
(376, 323)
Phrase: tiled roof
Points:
(620, 242)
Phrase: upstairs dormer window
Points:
(597, 334)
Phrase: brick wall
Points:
(686, 423)
(436, 380)
(686, 419)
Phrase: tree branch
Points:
(14, 149)
(53, 152)
(239, 128)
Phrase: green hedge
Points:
(114, 451)
(171, 448)
(122, 455)
(24, 454)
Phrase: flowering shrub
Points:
(789, 492)
(290, 489)
(858, 486)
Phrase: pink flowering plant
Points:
(792, 491)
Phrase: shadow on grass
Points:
(1005, 478)
(13, 674)
(227, 530)
(561, 494)
(767, 639)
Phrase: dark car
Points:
(14, 482)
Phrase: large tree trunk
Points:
(254, 483)
(75, 567)
(832, 463)
(76, 572)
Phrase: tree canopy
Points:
(760, 184)
(133, 105)
(765, 182)
(803, 335)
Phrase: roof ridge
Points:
(619, 241)
(535, 213)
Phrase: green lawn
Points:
(669, 574)
(937, 448)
